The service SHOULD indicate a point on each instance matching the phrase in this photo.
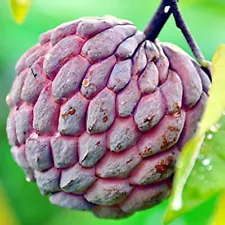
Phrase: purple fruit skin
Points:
(99, 115)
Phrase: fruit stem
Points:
(166, 8)
(158, 21)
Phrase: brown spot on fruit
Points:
(171, 128)
(105, 119)
(177, 106)
(118, 147)
(128, 161)
(165, 165)
(177, 114)
(166, 142)
(102, 110)
(70, 112)
(85, 82)
(91, 72)
(149, 120)
(147, 151)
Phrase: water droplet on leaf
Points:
(213, 128)
(206, 162)
(209, 167)
(209, 136)
(28, 179)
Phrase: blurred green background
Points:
(22, 201)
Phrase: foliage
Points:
(220, 211)
(6, 214)
(20, 9)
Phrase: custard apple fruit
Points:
(98, 115)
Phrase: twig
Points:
(190, 40)
(158, 21)
(166, 8)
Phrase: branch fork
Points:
(166, 8)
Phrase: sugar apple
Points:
(98, 115)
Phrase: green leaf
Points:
(216, 103)
(20, 9)
(220, 211)
(7, 216)
(199, 176)
(185, 166)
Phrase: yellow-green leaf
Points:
(20, 9)
(185, 165)
(185, 194)
(7, 217)
(219, 216)
(216, 103)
